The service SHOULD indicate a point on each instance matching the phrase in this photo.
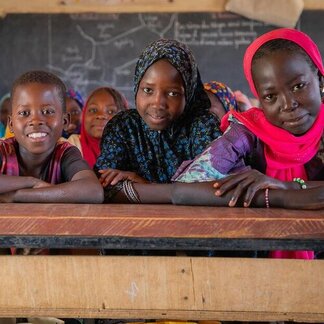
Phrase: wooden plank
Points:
(123, 6)
(313, 4)
(159, 221)
(109, 6)
(162, 288)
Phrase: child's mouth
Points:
(37, 136)
(297, 121)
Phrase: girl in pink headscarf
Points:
(101, 106)
(285, 138)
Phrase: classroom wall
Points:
(88, 50)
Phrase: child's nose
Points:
(36, 120)
(289, 103)
(159, 100)
(102, 116)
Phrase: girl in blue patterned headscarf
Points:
(74, 105)
(132, 149)
(180, 56)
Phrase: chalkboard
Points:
(91, 50)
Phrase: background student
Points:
(221, 98)
(74, 105)
(102, 105)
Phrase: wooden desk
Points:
(161, 287)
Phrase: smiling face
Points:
(37, 118)
(160, 98)
(288, 89)
(101, 107)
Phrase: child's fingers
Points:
(250, 193)
(106, 171)
(220, 182)
(225, 186)
(118, 177)
(107, 178)
(239, 190)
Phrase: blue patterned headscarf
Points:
(181, 57)
(76, 95)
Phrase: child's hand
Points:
(113, 176)
(41, 184)
(247, 184)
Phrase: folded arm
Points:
(84, 187)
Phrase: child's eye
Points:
(269, 97)
(75, 112)
(147, 90)
(23, 113)
(112, 112)
(173, 93)
(298, 86)
(93, 110)
(48, 111)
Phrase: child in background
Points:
(172, 122)
(35, 166)
(74, 105)
(221, 98)
(102, 105)
(285, 71)
(244, 102)
(4, 112)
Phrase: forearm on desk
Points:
(78, 191)
(204, 194)
(310, 198)
(10, 183)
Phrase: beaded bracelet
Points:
(266, 198)
(301, 182)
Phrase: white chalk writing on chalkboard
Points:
(112, 50)
(90, 50)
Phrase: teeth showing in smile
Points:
(37, 135)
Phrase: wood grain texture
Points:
(122, 6)
(162, 288)
(159, 221)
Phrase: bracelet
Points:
(130, 192)
(266, 198)
(301, 182)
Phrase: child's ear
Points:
(321, 81)
(66, 121)
(9, 123)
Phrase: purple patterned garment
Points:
(236, 151)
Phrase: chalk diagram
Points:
(103, 49)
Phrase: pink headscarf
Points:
(285, 153)
(90, 145)
(298, 37)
